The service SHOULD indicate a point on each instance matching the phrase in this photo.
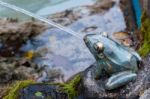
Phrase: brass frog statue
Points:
(119, 61)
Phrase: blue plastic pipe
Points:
(138, 11)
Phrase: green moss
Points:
(70, 88)
(145, 30)
(13, 91)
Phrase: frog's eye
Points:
(99, 47)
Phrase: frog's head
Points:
(95, 44)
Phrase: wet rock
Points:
(29, 89)
(42, 91)
(12, 69)
(101, 6)
(13, 34)
(71, 15)
(146, 94)
(143, 81)
(95, 88)
(133, 90)
(51, 75)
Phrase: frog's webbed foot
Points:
(120, 79)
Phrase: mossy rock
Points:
(145, 31)
(72, 86)
(42, 91)
(26, 89)
(14, 90)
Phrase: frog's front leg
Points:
(120, 79)
(98, 69)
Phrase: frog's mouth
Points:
(87, 38)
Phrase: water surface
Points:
(41, 7)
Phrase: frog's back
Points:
(117, 57)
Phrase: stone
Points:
(146, 94)
(12, 69)
(133, 90)
(14, 33)
(42, 91)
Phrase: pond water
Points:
(41, 7)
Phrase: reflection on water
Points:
(64, 51)
(64, 5)
(112, 21)
(67, 52)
